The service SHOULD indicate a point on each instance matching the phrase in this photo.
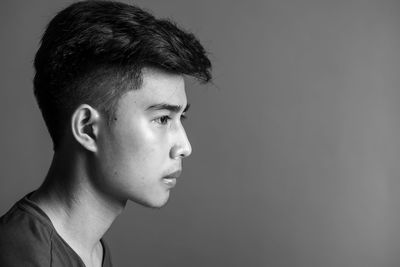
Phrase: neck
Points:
(80, 213)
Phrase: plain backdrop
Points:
(296, 150)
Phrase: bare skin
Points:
(99, 167)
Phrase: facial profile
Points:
(109, 82)
(139, 155)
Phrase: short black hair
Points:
(94, 51)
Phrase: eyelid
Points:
(168, 118)
(160, 118)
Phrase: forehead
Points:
(158, 87)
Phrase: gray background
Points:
(296, 149)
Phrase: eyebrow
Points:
(172, 108)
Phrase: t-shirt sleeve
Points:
(24, 242)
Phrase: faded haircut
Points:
(94, 51)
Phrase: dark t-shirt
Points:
(28, 238)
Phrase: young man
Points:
(109, 82)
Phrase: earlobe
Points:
(85, 125)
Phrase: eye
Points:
(163, 120)
(183, 117)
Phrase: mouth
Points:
(170, 179)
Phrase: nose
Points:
(181, 148)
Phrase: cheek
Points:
(140, 146)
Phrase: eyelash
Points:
(163, 120)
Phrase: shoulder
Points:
(24, 238)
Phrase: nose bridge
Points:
(181, 147)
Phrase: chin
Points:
(155, 203)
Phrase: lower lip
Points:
(170, 182)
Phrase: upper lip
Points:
(174, 174)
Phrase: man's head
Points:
(93, 52)
(109, 76)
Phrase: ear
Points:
(85, 126)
